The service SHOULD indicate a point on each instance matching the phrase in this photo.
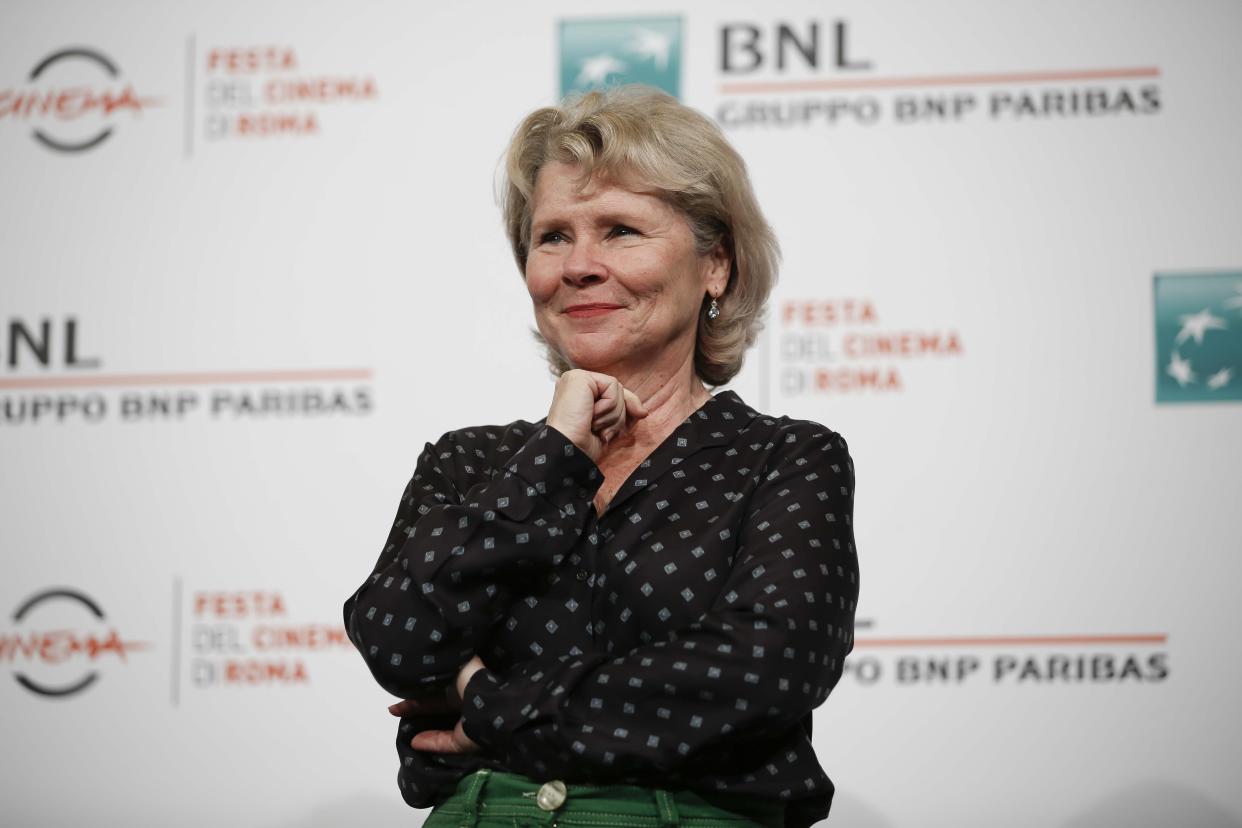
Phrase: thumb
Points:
(463, 742)
(633, 405)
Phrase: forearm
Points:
(702, 696)
(770, 648)
(452, 560)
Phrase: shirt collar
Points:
(717, 422)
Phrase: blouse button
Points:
(582, 575)
(551, 795)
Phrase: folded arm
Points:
(769, 651)
(461, 536)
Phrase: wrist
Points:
(470, 707)
(467, 672)
(567, 431)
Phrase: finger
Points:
(614, 412)
(633, 405)
(602, 406)
(606, 386)
(407, 707)
(602, 424)
(445, 741)
(605, 406)
(435, 741)
(606, 421)
(611, 425)
(611, 398)
(622, 405)
(616, 409)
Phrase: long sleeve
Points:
(769, 650)
(463, 534)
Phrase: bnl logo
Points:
(608, 52)
(1198, 336)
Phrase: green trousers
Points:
(494, 799)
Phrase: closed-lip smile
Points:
(590, 308)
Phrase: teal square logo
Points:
(1198, 336)
(608, 52)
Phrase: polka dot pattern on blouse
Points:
(682, 637)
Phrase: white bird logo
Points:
(653, 45)
(1179, 369)
(595, 70)
(1197, 324)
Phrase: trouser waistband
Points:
(487, 795)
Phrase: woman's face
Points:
(613, 273)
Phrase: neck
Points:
(671, 393)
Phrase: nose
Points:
(584, 264)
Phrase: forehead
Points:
(559, 190)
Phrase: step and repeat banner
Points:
(251, 261)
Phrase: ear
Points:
(716, 267)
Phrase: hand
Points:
(442, 741)
(592, 408)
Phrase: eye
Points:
(551, 236)
(622, 229)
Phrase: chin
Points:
(589, 363)
(595, 356)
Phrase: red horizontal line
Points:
(188, 378)
(941, 80)
(1003, 640)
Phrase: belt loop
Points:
(669, 817)
(471, 806)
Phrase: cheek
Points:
(539, 283)
(650, 274)
(678, 284)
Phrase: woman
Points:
(622, 614)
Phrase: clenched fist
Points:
(592, 408)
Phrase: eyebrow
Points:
(555, 222)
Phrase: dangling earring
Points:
(713, 310)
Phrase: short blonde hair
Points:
(638, 132)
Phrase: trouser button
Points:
(551, 795)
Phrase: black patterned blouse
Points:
(680, 639)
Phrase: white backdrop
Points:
(230, 325)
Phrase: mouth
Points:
(590, 309)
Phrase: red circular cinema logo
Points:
(60, 641)
(73, 99)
